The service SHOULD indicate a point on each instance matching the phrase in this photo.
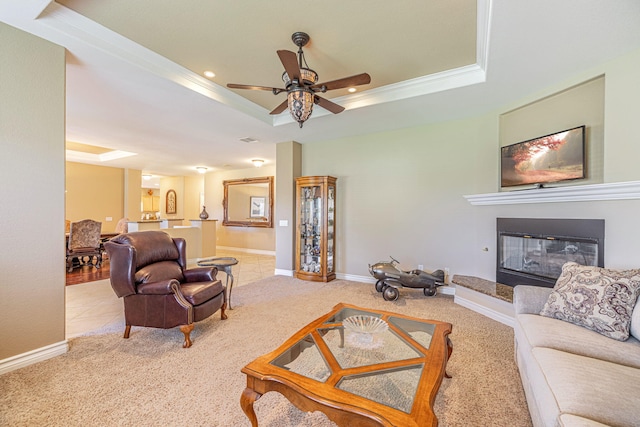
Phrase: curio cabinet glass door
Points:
(315, 241)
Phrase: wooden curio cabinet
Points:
(315, 225)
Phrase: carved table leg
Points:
(223, 315)
(127, 331)
(186, 330)
(229, 287)
(247, 399)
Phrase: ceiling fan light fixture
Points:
(300, 104)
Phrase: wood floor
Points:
(88, 274)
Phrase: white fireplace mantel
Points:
(577, 193)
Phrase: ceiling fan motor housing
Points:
(308, 76)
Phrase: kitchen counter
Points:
(153, 224)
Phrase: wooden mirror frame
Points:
(262, 180)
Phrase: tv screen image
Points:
(550, 158)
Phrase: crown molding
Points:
(81, 30)
(628, 190)
(74, 31)
(425, 85)
(484, 13)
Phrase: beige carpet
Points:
(150, 380)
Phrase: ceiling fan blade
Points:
(270, 89)
(357, 80)
(290, 62)
(331, 106)
(280, 108)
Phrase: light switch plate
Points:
(284, 223)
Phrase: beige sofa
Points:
(572, 376)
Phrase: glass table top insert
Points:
(405, 341)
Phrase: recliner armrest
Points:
(158, 288)
(200, 274)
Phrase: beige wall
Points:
(622, 118)
(256, 238)
(400, 193)
(576, 106)
(288, 168)
(95, 192)
(193, 196)
(175, 183)
(32, 115)
(132, 194)
(404, 199)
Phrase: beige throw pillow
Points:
(597, 298)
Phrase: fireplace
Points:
(531, 251)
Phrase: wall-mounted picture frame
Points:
(172, 207)
(257, 208)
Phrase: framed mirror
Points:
(248, 202)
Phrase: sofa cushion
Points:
(635, 321)
(601, 391)
(569, 420)
(532, 330)
(530, 299)
(160, 271)
(199, 292)
(597, 298)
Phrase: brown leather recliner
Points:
(148, 270)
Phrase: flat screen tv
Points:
(556, 157)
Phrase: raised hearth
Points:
(487, 287)
(488, 298)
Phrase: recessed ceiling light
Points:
(352, 89)
(209, 74)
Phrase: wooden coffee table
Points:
(390, 378)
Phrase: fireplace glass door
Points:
(545, 256)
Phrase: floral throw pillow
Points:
(597, 298)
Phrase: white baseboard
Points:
(33, 356)
(355, 278)
(247, 250)
(445, 290)
(282, 272)
(498, 310)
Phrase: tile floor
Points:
(93, 305)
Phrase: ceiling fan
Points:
(301, 85)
